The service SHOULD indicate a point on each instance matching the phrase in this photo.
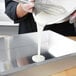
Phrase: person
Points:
(22, 14)
(65, 28)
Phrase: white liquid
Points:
(43, 18)
(39, 57)
(39, 37)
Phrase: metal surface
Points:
(25, 46)
(3, 55)
(46, 68)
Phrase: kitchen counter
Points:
(51, 67)
(72, 37)
(69, 72)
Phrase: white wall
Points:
(4, 19)
(7, 27)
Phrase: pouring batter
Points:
(26, 21)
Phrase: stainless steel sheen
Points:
(25, 46)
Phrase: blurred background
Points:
(7, 27)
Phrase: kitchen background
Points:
(7, 27)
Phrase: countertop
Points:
(72, 37)
(69, 72)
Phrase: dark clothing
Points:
(27, 23)
(64, 28)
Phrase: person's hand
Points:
(28, 7)
(24, 9)
(73, 18)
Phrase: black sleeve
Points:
(10, 10)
